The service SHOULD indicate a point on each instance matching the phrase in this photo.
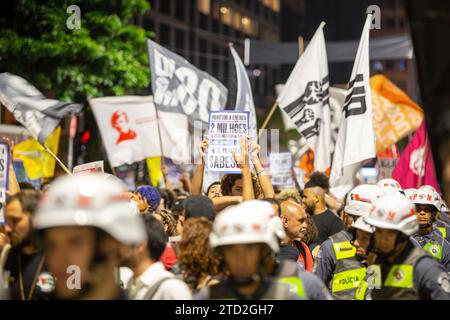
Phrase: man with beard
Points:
(326, 221)
(339, 262)
(294, 219)
(25, 270)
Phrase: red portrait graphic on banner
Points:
(119, 121)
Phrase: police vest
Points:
(435, 245)
(443, 231)
(442, 227)
(288, 288)
(399, 283)
(349, 272)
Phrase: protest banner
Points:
(4, 175)
(128, 126)
(281, 169)
(90, 167)
(225, 129)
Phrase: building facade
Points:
(200, 30)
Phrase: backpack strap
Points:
(154, 288)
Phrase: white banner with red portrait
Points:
(128, 126)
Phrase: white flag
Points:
(128, 126)
(244, 97)
(356, 138)
(305, 99)
(31, 108)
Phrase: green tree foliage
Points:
(106, 56)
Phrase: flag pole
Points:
(301, 49)
(266, 121)
(163, 161)
(424, 160)
(57, 159)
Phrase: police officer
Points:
(429, 235)
(337, 264)
(441, 221)
(400, 271)
(85, 223)
(247, 237)
(364, 241)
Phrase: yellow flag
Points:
(154, 170)
(36, 161)
(395, 115)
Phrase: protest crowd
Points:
(241, 239)
(246, 235)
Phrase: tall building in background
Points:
(200, 31)
(393, 23)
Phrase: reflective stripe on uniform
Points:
(297, 282)
(344, 250)
(434, 249)
(346, 280)
(361, 291)
(443, 231)
(371, 280)
(400, 276)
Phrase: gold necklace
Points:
(35, 278)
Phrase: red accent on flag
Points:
(408, 167)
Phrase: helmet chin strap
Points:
(254, 278)
(245, 281)
(400, 238)
(429, 223)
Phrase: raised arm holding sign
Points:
(225, 131)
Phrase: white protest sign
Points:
(280, 169)
(91, 167)
(4, 176)
(225, 129)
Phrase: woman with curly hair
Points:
(199, 265)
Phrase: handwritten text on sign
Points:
(225, 131)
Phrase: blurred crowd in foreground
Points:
(87, 237)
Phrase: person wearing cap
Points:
(193, 207)
(401, 271)
(429, 236)
(148, 198)
(247, 237)
(85, 224)
(199, 206)
(340, 262)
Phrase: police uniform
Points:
(36, 284)
(286, 283)
(313, 287)
(442, 225)
(337, 266)
(270, 289)
(414, 275)
(435, 244)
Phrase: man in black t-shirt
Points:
(327, 222)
